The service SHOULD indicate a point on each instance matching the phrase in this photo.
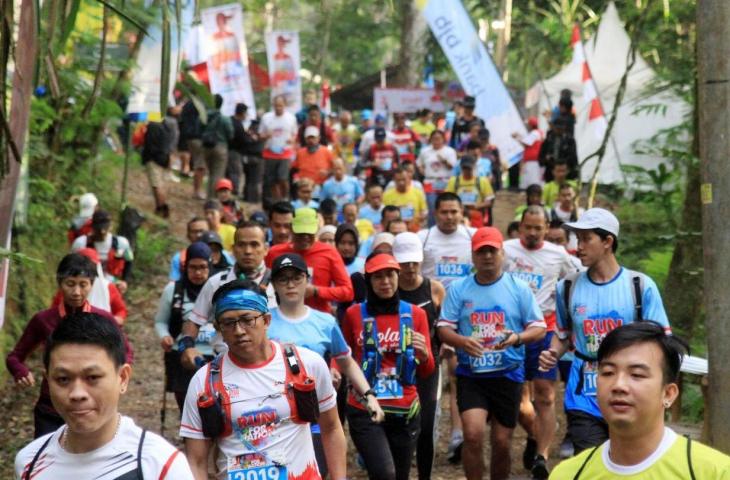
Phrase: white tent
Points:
(607, 55)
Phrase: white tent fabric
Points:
(607, 55)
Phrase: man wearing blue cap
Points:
(257, 385)
(589, 305)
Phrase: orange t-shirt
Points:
(316, 166)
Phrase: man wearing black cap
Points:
(114, 250)
(381, 159)
(460, 129)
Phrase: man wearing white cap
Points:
(427, 294)
(589, 305)
(313, 160)
(81, 224)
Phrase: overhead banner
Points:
(227, 57)
(146, 79)
(282, 53)
(455, 32)
(405, 100)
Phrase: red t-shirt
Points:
(388, 340)
(316, 166)
(327, 272)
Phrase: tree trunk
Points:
(713, 67)
(413, 37)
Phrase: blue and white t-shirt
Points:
(317, 331)
(300, 204)
(369, 213)
(486, 312)
(596, 309)
(348, 190)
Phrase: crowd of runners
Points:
(338, 277)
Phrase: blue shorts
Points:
(532, 356)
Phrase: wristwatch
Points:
(369, 392)
(519, 340)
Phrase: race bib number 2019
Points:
(270, 472)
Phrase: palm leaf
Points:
(123, 15)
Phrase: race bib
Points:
(254, 467)
(469, 198)
(490, 361)
(407, 212)
(206, 333)
(590, 377)
(388, 388)
(386, 164)
(452, 269)
(402, 149)
(534, 280)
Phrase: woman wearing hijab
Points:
(176, 303)
(390, 340)
(347, 242)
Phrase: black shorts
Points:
(276, 170)
(586, 431)
(499, 396)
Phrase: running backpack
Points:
(210, 131)
(372, 354)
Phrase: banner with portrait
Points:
(282, 53)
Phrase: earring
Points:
(667, 404)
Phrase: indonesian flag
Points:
(325, 103)
(596, 117)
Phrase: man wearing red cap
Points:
(231, 210)
(528, 171)
(487, 317)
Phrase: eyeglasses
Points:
(284, 280)
(244, 321)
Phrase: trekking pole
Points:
(163, 410)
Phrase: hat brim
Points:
(486, 243)
(87, 211)
(309, 229)
(409, 257)
(275, 273)
(382, 266)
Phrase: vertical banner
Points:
(227, 56)
(455, 32)
(145, 96)
(282, 53)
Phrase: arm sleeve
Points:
(28, 341)
(162, 318)
(342, 291)
(116, 302)
(450, 310)
(420, 324)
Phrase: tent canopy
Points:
(607, 55)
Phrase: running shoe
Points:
(539, 468)
(528, 456)
(453, 453)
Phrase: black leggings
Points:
(427, 394)
(386, 448)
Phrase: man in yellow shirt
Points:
(475, 192)
(410, 200)
(638, 367)
(213, 211)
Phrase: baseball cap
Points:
(259, 217)
(211, 237)
(532, 122)
(468, 161)
(486, 236)
(305, 221)
(87, 204)
(595, 218)
(469, 101)
(379, 133)
(383, 237)
(366, 114)
(407, 248)
(288, 260)
(381, 261)
(223, 184)
(311, 131)
(101, 218)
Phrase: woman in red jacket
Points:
(390, 340)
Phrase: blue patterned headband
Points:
(241, 299)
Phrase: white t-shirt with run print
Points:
(437, 173)
(446, 257)
(116, 460)
(262, 432)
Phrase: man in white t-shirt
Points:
(264, 432)
(279, 130)
(87, 373)
(541, 264)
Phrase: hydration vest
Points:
(372, 354)
(115, 261)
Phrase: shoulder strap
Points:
(425, 240)
(370, 363)
(582, 467)
(457, 182)
(567, 297)
(27, 475)
(140, 475)
(266, 279)
(176, 308)
(293, 362)
(638, 292)
(115, 242)
(689, 458)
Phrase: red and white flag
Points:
(596, 116)
(325, 102)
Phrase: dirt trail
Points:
(144, 398)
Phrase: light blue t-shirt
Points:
(346, 191)
(175, 274)
(596, 309)
(484, 168)
(357, 265)
(317, 331)
(369, 213)
(299, 204)
(486, 311)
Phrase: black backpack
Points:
(210, 132)
(156, 144)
